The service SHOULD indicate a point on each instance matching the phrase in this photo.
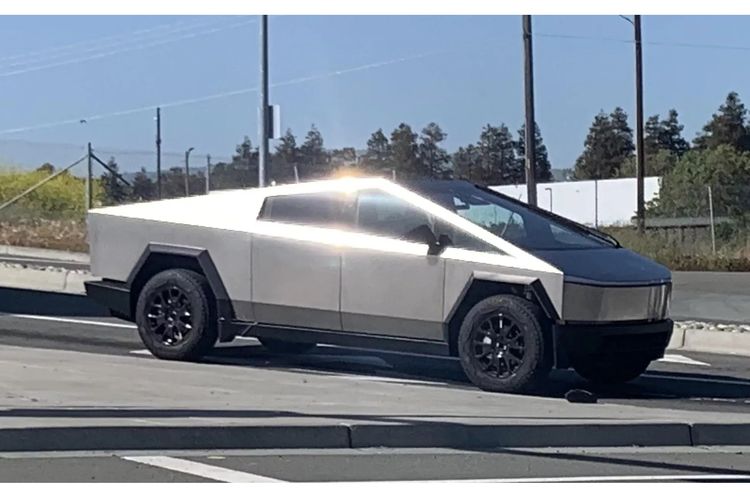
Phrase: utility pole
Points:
(89, 181)
(263, 104)
(530, 130)
(187, 171)
(208, 174)
(639, 147)
(158, 153)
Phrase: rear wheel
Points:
(612, 370)
(176, 317)
(501, 345)
(284, 347)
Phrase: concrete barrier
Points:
(45, 280)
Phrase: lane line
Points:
(683, 360)
(141, 352)
(201, 470)
(70, 320)
(696, 379)
(596, 479)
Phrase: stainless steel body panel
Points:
(615, 303)
(393, 292)
(116, 244)
(296, 283)
(464, 266)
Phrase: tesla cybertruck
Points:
(436, 267)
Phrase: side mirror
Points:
(441, 244)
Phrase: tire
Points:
(283, 347)
(611, 371)
(170, 300)
(517, 366)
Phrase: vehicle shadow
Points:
(21, 301)
(655, 386)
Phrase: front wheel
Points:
(501, 345)
(612, 371)
(176, 317)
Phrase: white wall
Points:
(577, 200)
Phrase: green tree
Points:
(497, 158)
(47, 168)
(664, 135)
(543, 168)
(433, 158)
(313, 155)
(144, 188)
(115, 192)
(683, 191)
(377, 158)
(727, 127)
(608, 145)
(467, 163)
(287, 156)
(405, 153)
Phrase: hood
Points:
(612, 266)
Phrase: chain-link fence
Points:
(695, 227)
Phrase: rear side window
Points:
(331, 209)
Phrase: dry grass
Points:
(61, 234)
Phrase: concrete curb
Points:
(60, 281)
(45, 253)
(711, 341)
(417, 435)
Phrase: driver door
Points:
(389, 285)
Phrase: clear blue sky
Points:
(471, 75)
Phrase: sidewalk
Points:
(60, 400)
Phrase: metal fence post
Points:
(89, 181)
(208, 174)
(711, 219)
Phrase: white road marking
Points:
(141, 352)
(201, 470)
(695, 379)
(597, 479)
(684, 360)
(71, 320)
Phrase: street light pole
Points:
(640, 153)
(263, 104)
(640, 158)
(530, 131)
(187, 171)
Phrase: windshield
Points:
(524, 227)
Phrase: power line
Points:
(98, 44)
(657, 43)
(221, 95)
(125, 49)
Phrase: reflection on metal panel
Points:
(458, 273)
(387, 292)
(598, 303)
(296, 275)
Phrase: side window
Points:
(497, 220)
(331, 209)
(386, 215)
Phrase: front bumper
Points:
(605, 340)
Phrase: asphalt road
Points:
(539, 465)
(687, 381)
(58, 321)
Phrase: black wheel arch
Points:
(157, 257)
(480, 287)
